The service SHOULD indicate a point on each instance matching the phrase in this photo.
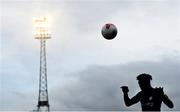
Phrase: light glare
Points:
(41, 28)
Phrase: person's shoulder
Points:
(139, 93)
(158, 91)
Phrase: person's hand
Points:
(125, 89)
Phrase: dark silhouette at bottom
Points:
(150, 98)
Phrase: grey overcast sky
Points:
(85, 71)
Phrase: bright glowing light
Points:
(41, 28)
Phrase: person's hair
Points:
(144, 76)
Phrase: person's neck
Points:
(149, 89)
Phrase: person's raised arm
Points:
(127, 100)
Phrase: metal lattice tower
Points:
(42, 34)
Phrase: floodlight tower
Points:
(42, 33)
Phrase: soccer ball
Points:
(109, 31)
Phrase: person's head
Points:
(144, 81)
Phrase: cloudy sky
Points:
(85, 71)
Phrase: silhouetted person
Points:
(150, 98)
